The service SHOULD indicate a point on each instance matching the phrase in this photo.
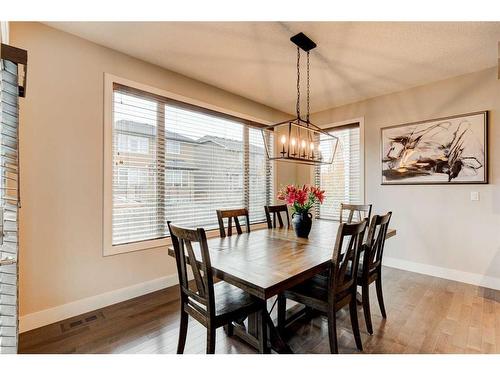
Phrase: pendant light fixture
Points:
(299, 140)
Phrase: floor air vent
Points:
(81, 321)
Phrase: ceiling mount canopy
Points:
(299, 140)
(303, 42)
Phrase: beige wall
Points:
(62, 166)
(438, 226)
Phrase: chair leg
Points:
(355, 324)
(380, 297)
(332, 332)
(281, 312)
(229, 329)
(365, 296)
(182, 332)
(263, 347)
(210, 340)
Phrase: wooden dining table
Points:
(266, 262)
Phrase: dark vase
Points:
(302, 223)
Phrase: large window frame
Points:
(109, 81)
(337, 126)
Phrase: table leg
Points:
(253, 336)
(253, 324)
(263, 346)
(277, 343)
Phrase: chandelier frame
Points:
(296, 147)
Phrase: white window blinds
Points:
(181, 163)
(9, 199)
(260, 176)
(342, 179)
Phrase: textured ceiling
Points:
(353, 60)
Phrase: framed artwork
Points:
(448, 150)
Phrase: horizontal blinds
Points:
(136, 169)
(204, 167)
(176, 163)
(260, 175)
(9, 122)
(342, 179)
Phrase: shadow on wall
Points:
(495, 192)
(494, 271)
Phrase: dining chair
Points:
(370, 268)
(230, 215)
(276, 211)
(328, 294)
(213, 305)
(362, 210)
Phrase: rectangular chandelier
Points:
(299, 142)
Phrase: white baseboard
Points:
(44, 317)
(41, 318)
(444, 273)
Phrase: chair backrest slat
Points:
(185, 255)
(375, 242)
(363, 211)
(230, 215)
(276, 211)
(196, 271)
(341, 277)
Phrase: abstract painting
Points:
(450, 150)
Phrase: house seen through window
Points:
(181, 164)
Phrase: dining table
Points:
(266, 262)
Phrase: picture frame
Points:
(445, 151)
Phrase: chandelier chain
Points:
(308, 88)
(298, 83)
(299, 139)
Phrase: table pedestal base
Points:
(251, 334)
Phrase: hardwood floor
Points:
(425, 315)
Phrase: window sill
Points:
(161, 242)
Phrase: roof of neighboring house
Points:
(139, 128)
(178, 137)
(228, 144)
(143, 129)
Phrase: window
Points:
(260, 176)
(178, 178)
(133, 144)
(342, 179)
(174, 161)
(173, 147)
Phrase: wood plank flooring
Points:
(425, 315)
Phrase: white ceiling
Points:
(353, 60)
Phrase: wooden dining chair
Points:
(331, 293)
(370, 268)
(363, 211)
(213, 305)
(230, 215)
(276, 211)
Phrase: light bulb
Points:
(283, 140)
(312, 146)
(303, 143)
(293, 141)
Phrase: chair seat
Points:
(360, 270)
(316, 287)
(229, 300)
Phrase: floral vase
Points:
(302, 222)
